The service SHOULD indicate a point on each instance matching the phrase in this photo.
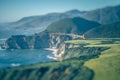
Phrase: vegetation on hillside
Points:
(72, 68)
(105, 31)
(72, 25)
(104, 15)
(107, 66)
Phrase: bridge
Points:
(73, 35)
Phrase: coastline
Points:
(54, 52)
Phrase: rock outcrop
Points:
(27, 42)
(37, 41)
(78, 51)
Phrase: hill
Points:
(96, 60)
(72, 25)
(104, 15)
(35, 24)
(105, 31)
(106, 66)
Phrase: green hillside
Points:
(105, 31)
(104, 15)
(72, 25)
(106, 67)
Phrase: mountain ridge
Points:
(104, 15)
(105, 31)
(35, 24)
(74, 25)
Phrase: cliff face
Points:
(26, 42)
(38, 41)
(78, 51)
(56, 40)
(71, 68)
(53, 40)
(62, 50)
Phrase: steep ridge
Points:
(35, 24)
(104, 15)
(38, 41)
(75, 25)
(62, 30)
(105, 31)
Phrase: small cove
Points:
(13, 58)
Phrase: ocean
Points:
(13, 58)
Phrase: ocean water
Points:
(13, 58)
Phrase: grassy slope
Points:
(66, 70)
(72, 25)
(105, 31)
(107, 66)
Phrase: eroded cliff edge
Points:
(71, 68)
(37, 41)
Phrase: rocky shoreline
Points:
(54, 51)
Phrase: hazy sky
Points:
(12, 10)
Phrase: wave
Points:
(51, 57)
(54, 51)
(15, 64)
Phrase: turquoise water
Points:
(13, 58)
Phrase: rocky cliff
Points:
(78, 51)
(37, 41)
(47, 40)
(71, 68)
(27, 42)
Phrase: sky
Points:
(13, 10)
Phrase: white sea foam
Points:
(54, 51)
(15, 64)
(51, 57)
